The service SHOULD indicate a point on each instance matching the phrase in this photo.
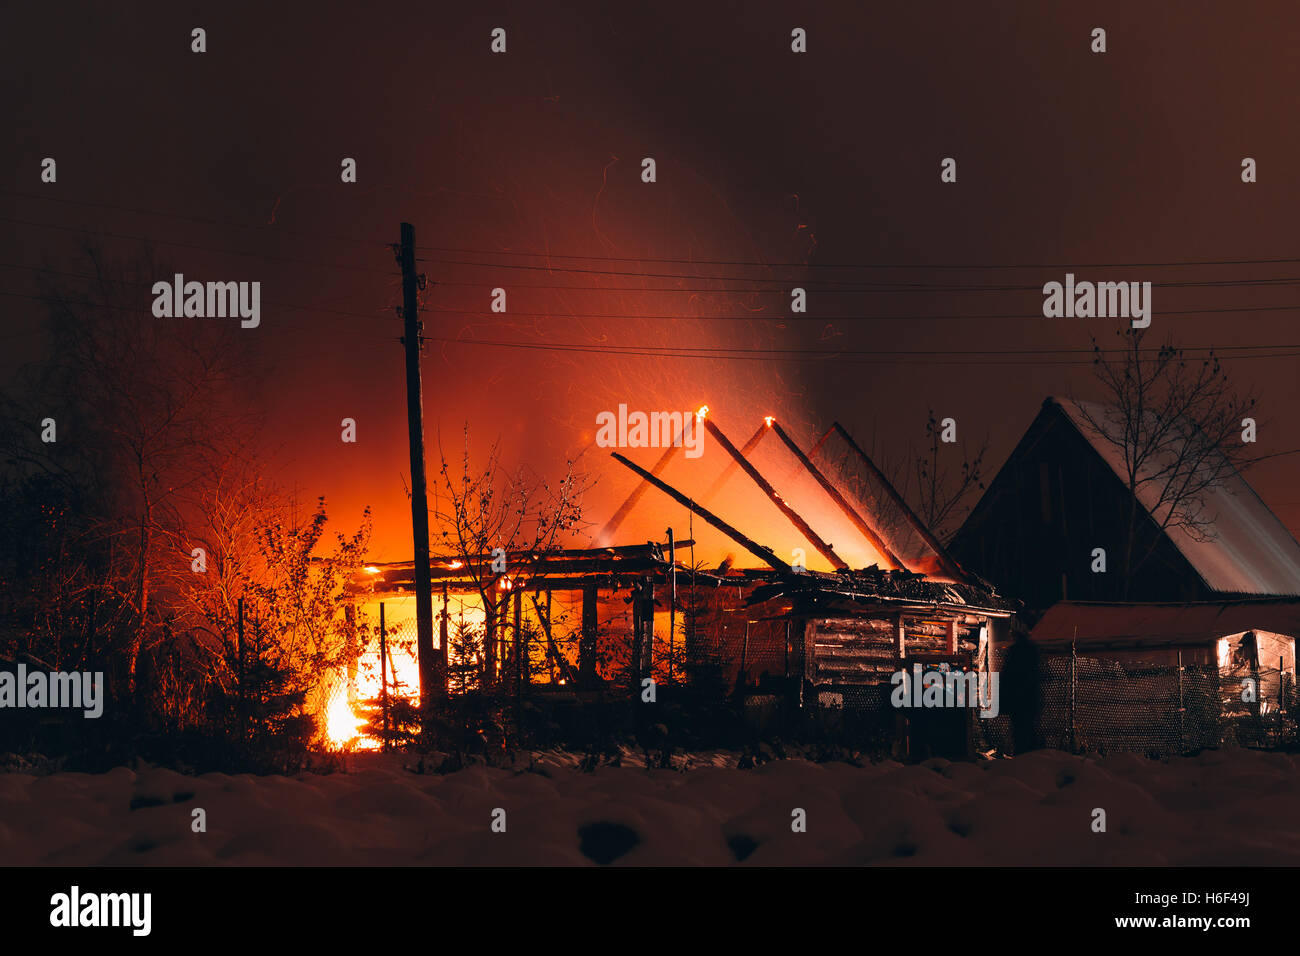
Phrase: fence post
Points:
(1182, 709)
(1074, 742)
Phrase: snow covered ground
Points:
(1221, 807)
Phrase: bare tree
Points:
(262, 555)
(156, 398)
(499, 524)
(940, 480)
(1175, 424)
(945, 491)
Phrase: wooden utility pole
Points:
(412, 339)
(383, 674)
(672, 598)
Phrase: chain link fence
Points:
(1105, 705)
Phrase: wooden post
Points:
(744, 654)
(900, 638)
(1181, 708)
(952, 637)
(489, 639)
(672, 599)
(383, 673)
(643, 610)
(444, 628)
(587, 642)
(412, 340)
(807, 656)
(1074, 681)
(787, 648)
(557, 659)
(521, 646)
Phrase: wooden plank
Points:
(791, 515)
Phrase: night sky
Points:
(773, 168)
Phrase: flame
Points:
(342, 725)
(350, 690)
(505, 584)
(344, 728)
(702, 413)
(453, 565)
(371, 569)
(769, 419)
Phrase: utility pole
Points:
(412, 340)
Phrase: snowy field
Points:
(1221, 807)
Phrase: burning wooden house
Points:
(826, 627)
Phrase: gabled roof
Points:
(1170, 624)
(1248, 550)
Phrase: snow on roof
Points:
(1248, 550)
(1164, 623)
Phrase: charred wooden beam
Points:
(613, 524)
(587, 642)
(945, 561)
(791, 515)
(544, 617)
(812, 453)
(732, 465)
(859, 522)
(764, 554)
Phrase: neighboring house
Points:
(1061, 495)
(1221, 600)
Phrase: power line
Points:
(868, 265)
(779, 284)
(707, 318)
(747, 263)
(889, 357)
(829, 318)
(871, 286)
(727, 355)
(1279, 282)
